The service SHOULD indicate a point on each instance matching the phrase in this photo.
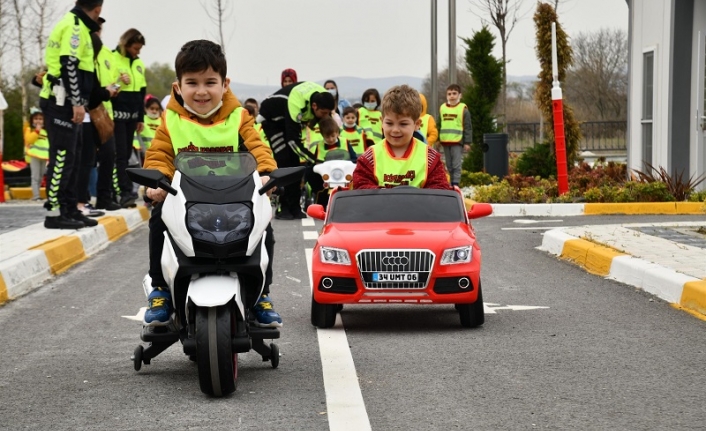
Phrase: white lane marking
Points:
(344, 400)
(490, 308)
(526, 221)
(534, 228)
(293, 279)
(306, 222)
(139, 317)
(310, 234)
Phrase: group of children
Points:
(391, 139)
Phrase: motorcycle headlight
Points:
(337, 175)
(456, 255)
(335, 255)
(219, 224)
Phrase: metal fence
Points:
(596, 136)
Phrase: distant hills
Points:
(350, 88)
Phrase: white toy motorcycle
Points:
(336, 170)
(214, 261)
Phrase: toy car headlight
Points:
(219, 224)
(335, 256)
(457, 255)
(337, 175)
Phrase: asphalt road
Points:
(601, 356)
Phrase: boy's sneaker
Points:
(160, 311)
(89, 211)
(265, 315)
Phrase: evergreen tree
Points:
(543, 19)
(482, 95)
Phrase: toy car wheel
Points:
(323, 315)
(274, 355)
(472, 315)
(339, 308)
(137, 357)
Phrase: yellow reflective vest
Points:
(451, 128)
(190, 135)
(39, 149)
(107, 73)
(72, 38)
(371, 123)
(392, 171)
(354, 137)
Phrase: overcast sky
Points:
(322, 39)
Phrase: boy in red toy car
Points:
(400, 159)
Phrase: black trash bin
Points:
(495, 154)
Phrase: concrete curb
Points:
(567, 210)
(682, 291)
(29, 269)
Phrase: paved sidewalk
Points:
(665, 259)
(30, 254)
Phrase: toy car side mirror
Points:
(480, 210)
(316, 211)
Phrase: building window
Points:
(648, 66)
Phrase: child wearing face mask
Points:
(351, 133)
(369, 118)
(153, 119)
(456, 132)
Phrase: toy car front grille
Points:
(395, 269)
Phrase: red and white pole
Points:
(3, 107)
(558, 111)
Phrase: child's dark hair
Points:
(250, 110)
(198, 56)
(455, 87)
(250, 100)
(328, 126)
(151, 101)
(368, 92)
(89, 4)
(350, 110)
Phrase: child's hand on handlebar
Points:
(157, 195)
(265, 179)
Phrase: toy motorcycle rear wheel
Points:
(217, 363)
(137, 357)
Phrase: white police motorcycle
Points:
(214, 260)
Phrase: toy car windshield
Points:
(216, 170)
(399, 204)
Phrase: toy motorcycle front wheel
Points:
(217, 363)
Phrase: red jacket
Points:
(364, 173)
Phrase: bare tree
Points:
(5, 22)
(556, 4)
(463, 79)
(219, 11)
(598, 79)
(503, 15)
(19, 11)
(43, 11)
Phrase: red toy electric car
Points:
(402, 245)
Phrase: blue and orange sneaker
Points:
(159, 312)
(265, 315)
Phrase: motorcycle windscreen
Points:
(216, 171)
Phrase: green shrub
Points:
(698, 196)
(498, 193)
(477, 179)
(537, 161)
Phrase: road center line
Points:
(307, 222)
(344, 400)
(533, 228)
(310, 234)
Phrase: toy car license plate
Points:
(395, 276)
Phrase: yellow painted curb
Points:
(594, 258)
(62, 252)
(691, 208)
(25, 193)
(693, 297)
(8, 197)
(3, 291)
(144, 212)
(115, 226)
(646, 208)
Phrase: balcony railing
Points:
(596, 136)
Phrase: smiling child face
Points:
(202, 91)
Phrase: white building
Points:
(667, 75)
